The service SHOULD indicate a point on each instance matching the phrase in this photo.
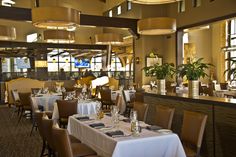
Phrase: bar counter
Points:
(220, 134)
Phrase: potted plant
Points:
(231, 71)
(160, 72)
(193, 71)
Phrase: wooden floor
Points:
(15, 140)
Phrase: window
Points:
(196, 3)
(230, 54)
(110, 13)
(116, 64)
(119, 10)
(129, 5)
(181, 6)
(96, 63)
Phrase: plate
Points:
(164, 131)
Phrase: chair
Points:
(16, 100)
(129, 103)
(164, 116)
(106, 98)
(26, 104)
(192, 132)
(224, 86)
(65, 148)
(66, 108)
(141, 109)
(139, 96)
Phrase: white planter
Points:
(193, 88)
(161, 86)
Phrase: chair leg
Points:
(43, 149)
(33, 126)
(21, 114)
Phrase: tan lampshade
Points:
(41, 64)
(108, 38)
(153, 1)
(55, 17)
(7, 33)
(157, 26)
(59, 36)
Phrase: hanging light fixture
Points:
(55, 17)
(59, 36)
(108, 38)
(153, 1)
(157, 26)
(7, 33)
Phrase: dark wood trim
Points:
(208, 21)
(24, 14)
(45, 46)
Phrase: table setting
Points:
(118, 136)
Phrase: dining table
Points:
(148, 143)
(47, 101)
(84, 107)
(224, 93)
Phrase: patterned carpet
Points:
(15, 140)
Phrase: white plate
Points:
(164, 131)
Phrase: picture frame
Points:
(150, 61)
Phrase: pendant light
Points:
(153, 1)
(108, 38)
(59, 36)
(157, 26)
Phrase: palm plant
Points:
(193, 70)
(160, 71)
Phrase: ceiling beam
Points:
(45, 46)
(24, 14)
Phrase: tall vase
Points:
(193, 88)
(161, 86)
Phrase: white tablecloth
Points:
(45, 100)
(85, 107)
(148, 144)
(221, 93)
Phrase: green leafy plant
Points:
(160, 71)
(193, 70)
(232, 70)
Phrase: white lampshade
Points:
(55, 17)
(153, 1)
(157, 26)
(108, 38)
(59, 36)
(7, 33)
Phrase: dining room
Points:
(117, 78)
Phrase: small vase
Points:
(161, 86)
(193, 88)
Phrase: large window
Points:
(96, 63)
(116, 64)
(64, 60)
(230, 53)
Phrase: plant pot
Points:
(193, 88)
(161, 86)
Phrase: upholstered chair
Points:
(141, 109)
(65, 148)
(164, 116)
(106, 98)
(66, 108)
(26, 104)
(192, 132)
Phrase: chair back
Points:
(62, 143)
(105, 95)
(38, 120)
(67, 108)
(139, 96)
(141, 109)
(193, 128)
(25, 99)
(15, 95)
(47, 131)
(164, 116)
(224, 86)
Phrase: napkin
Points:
(153, 127)
(126, 120)
(115, 133)
(83, 118)
(97, 125)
